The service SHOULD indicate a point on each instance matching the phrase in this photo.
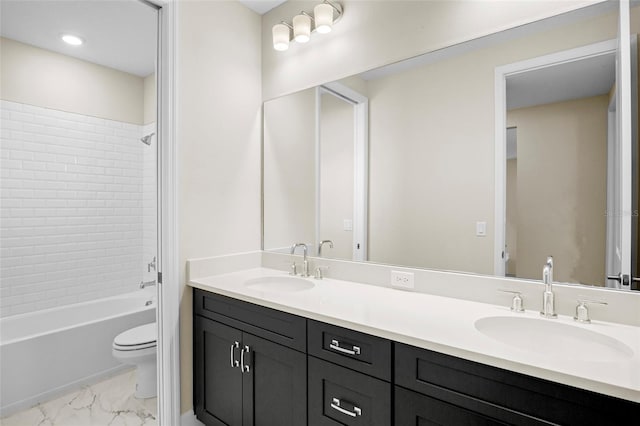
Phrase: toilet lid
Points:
(144, 335)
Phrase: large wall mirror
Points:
(453, 182)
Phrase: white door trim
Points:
(625, 134)
(360, 166)
(501, 74)
(168, 311)
(611, 207)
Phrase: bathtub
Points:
(48, 353)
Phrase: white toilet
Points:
(137, 346)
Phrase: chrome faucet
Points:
(305, 262)
(321, 244)
(548, 304)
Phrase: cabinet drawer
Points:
(448, 378)
(357, 351)
(413, 408)
(339, 396)
(279, 327)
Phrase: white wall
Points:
(71, 208)
(289, 170)
(149, 115)
(337, 156)
(562, 189)
(375, 33)
(219, 135)
(35, 76)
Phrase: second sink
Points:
(279, 284)
(554, 339)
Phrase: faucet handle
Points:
(318, 275)
(516, 304)
(582, 311)
(293, 268)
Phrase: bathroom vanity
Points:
(280, 350)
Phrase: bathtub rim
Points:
(142, 296)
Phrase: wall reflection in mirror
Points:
(429, 174)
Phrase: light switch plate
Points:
(481, 229)
(402, 280)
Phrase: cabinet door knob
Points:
(335, 404)
(335, 345)
(244, 367)
(234, 362)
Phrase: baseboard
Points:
(189, 419)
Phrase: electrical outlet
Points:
(402, 279)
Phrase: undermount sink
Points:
(279, 284)
(554, 339)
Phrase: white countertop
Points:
(441, 324)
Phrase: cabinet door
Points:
(275, 387)
(217, 384)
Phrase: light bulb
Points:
(280, 37)
(323, 17)
(301, 28)
(72, 40)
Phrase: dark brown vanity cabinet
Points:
(244, 379)
(259, 366)
(434, 388)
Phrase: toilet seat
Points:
(137, 338)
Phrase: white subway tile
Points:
(34, 165)
(12, 183)
(10, 164)
(21, 116)
(72, 207)
(11, 106)
(12, 125)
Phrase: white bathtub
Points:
(47, 353)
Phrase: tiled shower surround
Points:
(72, 207)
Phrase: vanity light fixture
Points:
(324, 16)
(281, 36)
(72, 39)
(301, 28)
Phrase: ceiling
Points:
(572, 80)
(261, 6)
(119, 34)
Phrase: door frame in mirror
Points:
(360, 166)
(501, 74)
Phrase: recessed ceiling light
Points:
(72, 40)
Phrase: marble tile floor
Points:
(107, 403)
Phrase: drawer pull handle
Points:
(335, 404)
(335, 345)
(234, 361)
(244, 367)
